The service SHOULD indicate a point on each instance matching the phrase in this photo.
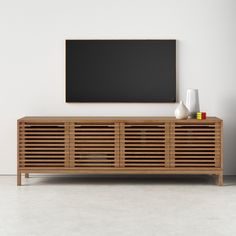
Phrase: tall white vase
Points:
(192, 102)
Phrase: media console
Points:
(130, 145)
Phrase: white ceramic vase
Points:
(181, 112)
(192, 102)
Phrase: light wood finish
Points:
(95, 153)
(150, 145)
(145, 145)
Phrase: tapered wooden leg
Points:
(27, 175)
(220, 180)
(18, 178)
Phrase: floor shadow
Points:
(116, 179)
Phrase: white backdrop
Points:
(32, 58)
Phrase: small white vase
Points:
(181, 112)
(192, 102)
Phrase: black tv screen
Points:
(120, 70)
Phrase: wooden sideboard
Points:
(130, 145)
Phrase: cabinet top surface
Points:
(112, 118)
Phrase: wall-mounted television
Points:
(120, 70)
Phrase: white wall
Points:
(32, 58)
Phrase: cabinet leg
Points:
(26, 175)
(18, 178)
(220, 180)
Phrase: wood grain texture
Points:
(95, 153)
(148, 154)
(194, 153)
(119, 145)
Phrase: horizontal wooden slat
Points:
(61, 141)
(94, 133)
(131, 129)
(181, 152)
(143, 133)
(140, 141)
(40, 138)
(83, 141)
(195, 157)
(194, 161)
(144, 164)
(105, 145)
(78, 137)
(39, 131)
(204, 134)
(133, 137)
(127, 125)
(94, 148)
(45, 145)
(40, 148)
(93, 161)
(44, 164)
(44, 124)
(144, 152)
(213, 141)
(43, 133)
(145, 157)
(193, 164)
(177, 149)
(190, 145)
(94, 129)
(145, 145)
(94, 164)
(77, 126)
(146, 161)
(62, 155)
(94, 156)
(193, 138)
(42, 160)
(94, 152)
(43, 152)
(189, 125)
(144, 148)
(197, 129)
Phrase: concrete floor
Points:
(117, 205)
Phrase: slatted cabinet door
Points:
(196, 145)
(43, 145)
(95, 145)
(144, 145)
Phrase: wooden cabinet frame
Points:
(130, 145)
